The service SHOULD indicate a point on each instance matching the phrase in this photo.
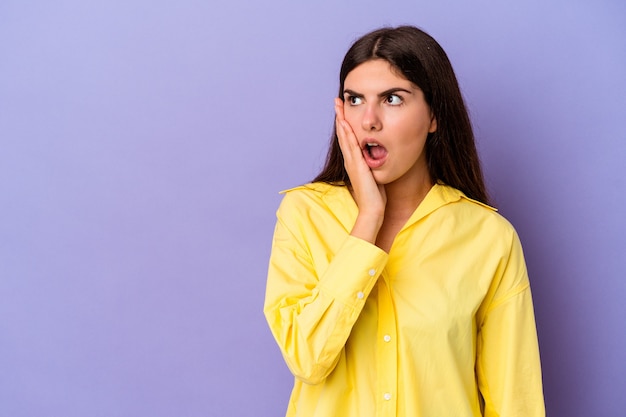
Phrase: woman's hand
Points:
(370, 197)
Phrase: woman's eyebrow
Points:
(352, 93)
(382, 94)
(394, 90)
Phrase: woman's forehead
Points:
(376, 74)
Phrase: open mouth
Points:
(375, 151)
(375, 154)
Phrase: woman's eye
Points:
(394, 99)
(353, 100)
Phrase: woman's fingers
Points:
(361, 176)
(349, 145)
(348, 141)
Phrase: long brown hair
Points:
(450, 150)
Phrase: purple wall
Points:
(142, 146)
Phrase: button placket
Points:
(387, 356)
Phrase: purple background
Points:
(143, 144)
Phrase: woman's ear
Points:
(433, 124)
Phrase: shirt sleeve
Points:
(508, 364)
(311, 309)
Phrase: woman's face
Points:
(391, 121)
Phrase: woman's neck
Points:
(403, 198)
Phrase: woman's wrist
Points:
(367, 226)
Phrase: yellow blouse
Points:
(442, 326)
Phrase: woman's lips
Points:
(375, 154)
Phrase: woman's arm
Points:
(369, 196)
(311, 308)
(508, 365)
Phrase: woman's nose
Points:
(371, 119)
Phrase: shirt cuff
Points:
(353, 271)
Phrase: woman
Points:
(393, 288)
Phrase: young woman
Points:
(393, 288)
